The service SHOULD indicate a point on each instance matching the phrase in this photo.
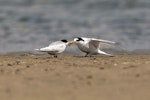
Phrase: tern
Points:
(91, 46)
(55, 48)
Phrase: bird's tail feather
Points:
(42, 50)
(37, 49)
(102, 52)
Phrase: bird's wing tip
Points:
(37, 49)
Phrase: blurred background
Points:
(29, 24)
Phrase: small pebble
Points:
(137, 75)
(125, 63)
(101, 68)
(27, 66)
(36, 58)
(115, 64)
(2, 70)
(94, 61)
(46, 70)
(9, 64)
(89, 76)
(147, 62)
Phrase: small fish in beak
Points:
(71, 42)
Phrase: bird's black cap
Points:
(64, 40)
(79, 39)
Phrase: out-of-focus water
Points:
(29, 24)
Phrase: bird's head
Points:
(75, 41)
(64, 41)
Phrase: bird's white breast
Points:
(83, 47)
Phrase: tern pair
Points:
(91, 46)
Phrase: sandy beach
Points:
(74, 77)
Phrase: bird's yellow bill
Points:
(71, 42)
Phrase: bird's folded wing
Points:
(55, 43)
(58, 48)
